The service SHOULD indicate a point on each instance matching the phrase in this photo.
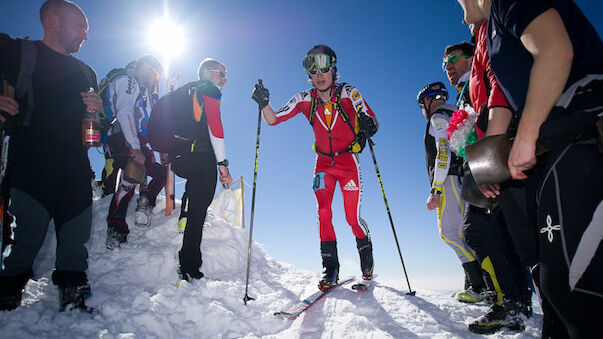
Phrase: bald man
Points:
(48, 174)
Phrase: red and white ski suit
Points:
(333, 135)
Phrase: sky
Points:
(387, 49)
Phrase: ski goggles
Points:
(319, 61)
(452, 59)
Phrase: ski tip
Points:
(284, 315)
(246, 299)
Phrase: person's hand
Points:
(92, 101)
(138, 156)
(260, 95)
(172, 82)
(490, 191)
(225, 178)
(367, 125)
(521, 158)
(165, 159)
(8, 105)
(433, 201)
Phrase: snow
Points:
(135, 288)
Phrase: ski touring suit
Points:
(444, 176)
(334, 164)
(199, 102)
(335, 125)
(570, 191)
(129, 101)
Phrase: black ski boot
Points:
(11, 290)
(498, 317)
(365, 250)
(74, 299)
(116, 236)
(330, 264)
(188, 276)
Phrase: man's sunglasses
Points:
(452, 59)
(220, 73)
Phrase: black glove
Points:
(260, 95)
(367, 125)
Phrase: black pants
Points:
(201, 173)
(60, 192)
(570, 221)
(487, 235)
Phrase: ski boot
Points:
(181, 224)
(73, 299)
(498, 317)
(470, 295)
(144, 211)
(11, 290)
(365, 250)
(477, 285)
(189, 276)
(115, 237)
(525, 303)
(330, 264)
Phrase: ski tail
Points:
(303, 305)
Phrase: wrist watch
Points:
(223, 162)
(435, 191)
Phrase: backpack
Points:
(170, 122)
(27, 65)
(359, 138)
(107, 118)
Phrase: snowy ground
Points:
(135, 289)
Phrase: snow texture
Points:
(135, 289)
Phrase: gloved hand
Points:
(260, 95)
(367, 125)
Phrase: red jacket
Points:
(341, 134)
(483, 86)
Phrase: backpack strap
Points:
(24, 86)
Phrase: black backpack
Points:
(169, 127)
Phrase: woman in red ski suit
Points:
(341, 120)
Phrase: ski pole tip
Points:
(412, 293)
(247, 298)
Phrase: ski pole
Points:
(255, 176)
(391, 221)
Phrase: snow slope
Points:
(135, 289)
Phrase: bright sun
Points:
(166, 38)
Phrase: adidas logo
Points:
(350, 186)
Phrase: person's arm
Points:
(269, 114)
(442, 161)
(548, 41)
(125, 93)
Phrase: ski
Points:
(364, 285)
(303, 305)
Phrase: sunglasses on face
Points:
(315, 70)
(435, 97)
(452, 59)
(221, 74)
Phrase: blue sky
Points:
(388, 49)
